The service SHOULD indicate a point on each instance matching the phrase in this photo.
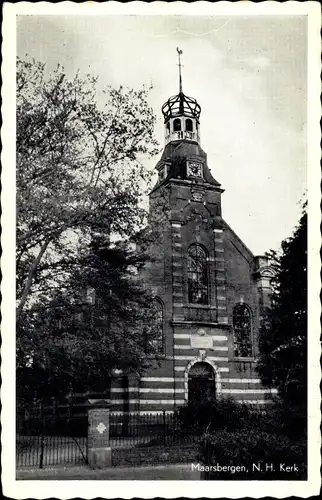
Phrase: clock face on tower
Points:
(194, 168)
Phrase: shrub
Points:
(208, 416)
(280, 418)
(284, 419)
(253, 450)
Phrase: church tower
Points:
(194, 227)
(209, 288)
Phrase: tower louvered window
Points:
(242, 324)
(197, 275)
(189, 125)
(177, 125)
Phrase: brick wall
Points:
(189, 219)
(154, 455)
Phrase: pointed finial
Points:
(180, 77)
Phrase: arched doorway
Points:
(201, 383)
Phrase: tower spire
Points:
(180, 76)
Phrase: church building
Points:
(209, 288)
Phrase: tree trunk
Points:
(28, 284)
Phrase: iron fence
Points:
(51, 435)
(147, 429)
(57, 434)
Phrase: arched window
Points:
(189, 125)
(157, 334)
(197, 275)
(176, 125)
(242, 324)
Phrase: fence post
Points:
(126, 409)
(42, 437)
(99, 450)
(164, 428)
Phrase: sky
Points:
(249, 75)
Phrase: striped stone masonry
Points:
(169, 389)
(194, 344)
(177, 271)
(124, 394)
(220, 276)
(156, 394)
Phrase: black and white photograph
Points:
(161, 271)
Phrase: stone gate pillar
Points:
(99, 451)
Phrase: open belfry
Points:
(209, 288)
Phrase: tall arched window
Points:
(242, 324)
(197, 275)
(189, 125)
(176, 125)
(157, 334)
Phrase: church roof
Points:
(183, 149)
(179, 105)
(178, 152)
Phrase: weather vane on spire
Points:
(180, 77)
